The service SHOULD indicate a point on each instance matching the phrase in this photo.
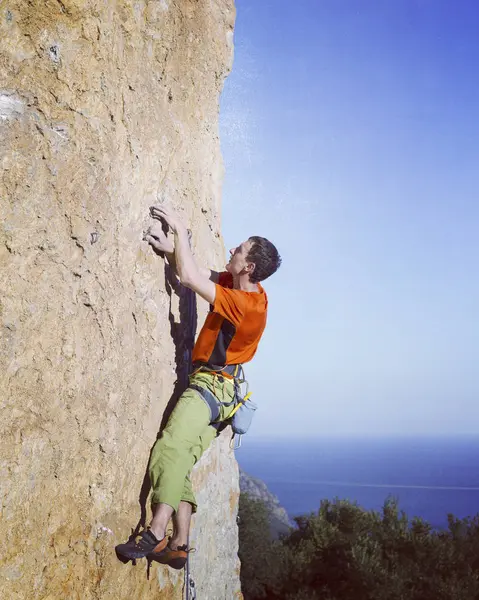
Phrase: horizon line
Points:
(381, 485)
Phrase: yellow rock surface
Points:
(103, 107)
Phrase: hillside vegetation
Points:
(343, 552)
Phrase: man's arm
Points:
(206, 273)
(157, 238)
(198, 280)
(180, 257)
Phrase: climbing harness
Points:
(244, 409)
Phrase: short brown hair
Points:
(265, 257)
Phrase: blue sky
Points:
(350, 134)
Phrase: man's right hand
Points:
(158, 239)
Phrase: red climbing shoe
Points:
(141, 545)
(175, 559)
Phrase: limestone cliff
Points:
(103, 105)
(280, 521)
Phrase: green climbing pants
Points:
(186, 436)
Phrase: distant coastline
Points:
(429, 476)
(280, 521)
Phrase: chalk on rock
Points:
(11, 106)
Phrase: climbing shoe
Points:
(141, 545)
(175, 559)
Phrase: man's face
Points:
(238, 263)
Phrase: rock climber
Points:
(229, 337)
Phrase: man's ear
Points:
(250, 267)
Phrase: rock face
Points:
(280, 522)
(103, 105)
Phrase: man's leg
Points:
(174, 455)
(181, 524)
(172, 458)
(183, 441)
(187, 506)
(175, 554)
(161, 516)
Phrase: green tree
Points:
(261, 557)
(344, 552)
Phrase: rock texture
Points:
(280, 521)
(103, 105)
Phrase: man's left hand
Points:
(157, 238)
(171, 218)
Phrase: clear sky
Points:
(350, 133)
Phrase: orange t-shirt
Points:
(234, 326)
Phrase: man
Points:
(229, 337)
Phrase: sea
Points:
(429, 476)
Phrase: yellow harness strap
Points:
(243, 401)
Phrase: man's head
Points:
(257, 257)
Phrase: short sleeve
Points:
(230, 304)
